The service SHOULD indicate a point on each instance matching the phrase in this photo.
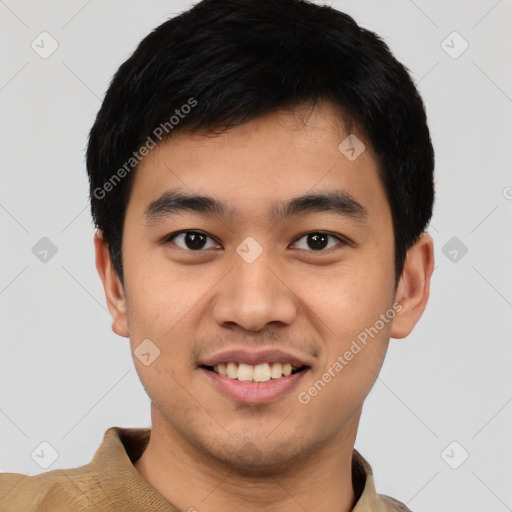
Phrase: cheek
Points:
(356, 312)
(160, 297)
(350, 299)
(163, 309)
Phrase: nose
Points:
(254, 294)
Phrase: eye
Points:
(195, 241)
(318, 240)
(190, 240)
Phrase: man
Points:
(261, 178)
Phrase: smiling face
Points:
(288, 261)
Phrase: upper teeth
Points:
(256, 373)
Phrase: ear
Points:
(112, 285)
(414, 286)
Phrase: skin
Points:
(207, 451)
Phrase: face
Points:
(259, 285)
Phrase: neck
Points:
(193, 481)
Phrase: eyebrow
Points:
(174, 202)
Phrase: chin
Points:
(253, 461)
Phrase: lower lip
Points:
(254, 392)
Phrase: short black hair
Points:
(223, 63)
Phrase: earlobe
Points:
(414, 286)
(114, 291)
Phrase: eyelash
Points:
(343, 242)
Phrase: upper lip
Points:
(255, 357)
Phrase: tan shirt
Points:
(111, 483)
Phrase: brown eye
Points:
(191, 240)
(317, 241)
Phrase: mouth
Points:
(263, 372)
(254, 384)
(260, 377)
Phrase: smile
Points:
(254, 373)
(254, 384)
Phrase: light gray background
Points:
(65, 377)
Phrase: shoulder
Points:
(393, 505)
(53, 491)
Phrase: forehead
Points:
(257, 165)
